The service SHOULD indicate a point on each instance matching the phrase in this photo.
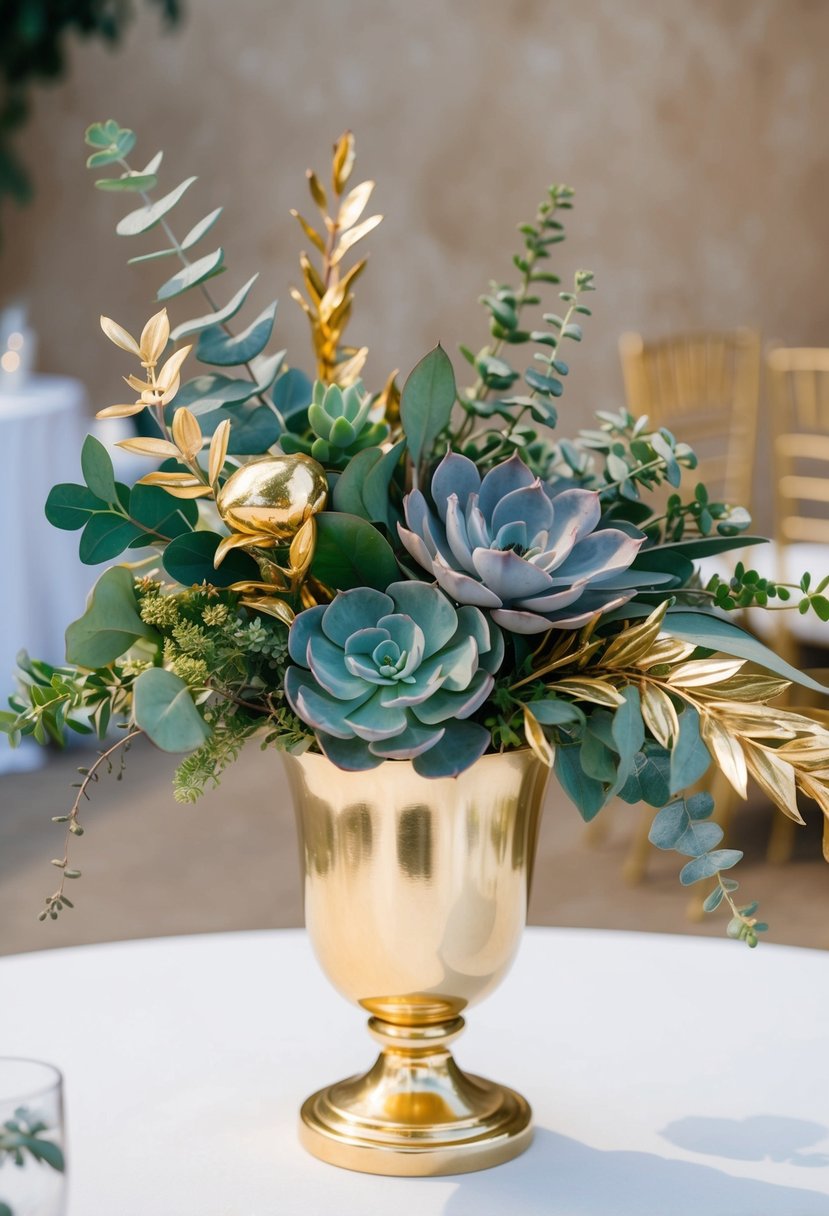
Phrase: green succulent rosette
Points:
(394, 675)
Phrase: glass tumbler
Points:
(32, 1161)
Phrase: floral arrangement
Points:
(424, 574)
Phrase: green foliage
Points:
(350, 552)
(110, 625)
(749, 589)
(364, 487)
(426, 404)
(164, 710)
(340, 426)
(112, 516)
(217, 345)
(189, 560)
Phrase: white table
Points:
(44, 585)
(669, 1076)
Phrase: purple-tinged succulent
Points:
(395, 676)
(532, 558)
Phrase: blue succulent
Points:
(533, 558)
(394, 675)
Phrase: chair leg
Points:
(636, 862)
(781, 840)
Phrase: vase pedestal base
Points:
(415, 1114)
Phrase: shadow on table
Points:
(757, 1138)
(561, 1177)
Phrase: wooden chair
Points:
(704, 387)
(798, 384)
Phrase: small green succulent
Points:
(340, 421)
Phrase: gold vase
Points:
(415, 898)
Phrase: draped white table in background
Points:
(669, 1077)
(44, 585)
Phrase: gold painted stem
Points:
(416, 895)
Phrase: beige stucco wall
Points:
(695, 135)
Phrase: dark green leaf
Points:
(587, 793)
(161, 513)
(105, 536)
(426, 403)
(165, 711)
(137, 181)
(628, 731)
(96, 466)
(70, 506)
(189, 560)
(292, 396)
(543, 384)
(350, 552)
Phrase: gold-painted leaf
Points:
(248, 587)
(353, 205)
(154, 337)
(665, 650)
(312, 234)
(238, 540)
(536, 738)
(317, 190)
(816, 790)
(752, 722)
(187, 434)
(810, 752)
(171, 368)
(117, 334)
(343, 161)
(271, 607)
(121, 411)
(346, 373)
(599, 692)
(659, 714)
(149, 447)
(635, 642)
(218, 450)
(302, 548)
(170, 393)
(337, 292)
(775, 777)
(350, 238)
(748, 688)
(700, 672)
(182, 480)
(301, 301)
(140, 386)
(727, 753)
(315, 285)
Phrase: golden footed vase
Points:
(415, 898)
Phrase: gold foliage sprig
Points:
(330, 298)
(783, 749)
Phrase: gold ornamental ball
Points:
(274, 495)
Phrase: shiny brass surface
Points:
(415, 899)
(274, 496)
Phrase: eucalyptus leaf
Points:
(161, 514)
(586, 792)
(70, 506)
(190, 276)
(214, 318)
(201, 229)
(690, 758)
(708, 865)
(106, 535)
(292, 396)
(97, 469)
(110, 624)
(134, 181)
(210, 392)
(225, 350)
(164, 710)
(147, 217)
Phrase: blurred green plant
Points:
(36, 38)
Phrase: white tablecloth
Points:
(42, 428)
(669, 1077)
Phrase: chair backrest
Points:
(798, 381)
(704, 387)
